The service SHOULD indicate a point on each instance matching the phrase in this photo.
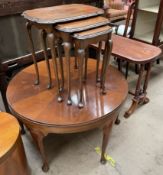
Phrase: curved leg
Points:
(51, 39)
(98, 62)
(28, 26)
(43, 40)
(137, 97)
(38, 138)
(106, 134)
(59, 51)
(146, 100)
(81, 55)
(107, 55)
(67, 47)
(85, 64)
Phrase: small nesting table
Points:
(38, 109)
(138, 53)
(12, 156)
(46, 20)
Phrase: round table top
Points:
(9, 133)
(61, 13)
(38, 104)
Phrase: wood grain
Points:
(9, 129)
(61, 13)
(81, 25)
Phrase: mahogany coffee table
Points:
(37, 107)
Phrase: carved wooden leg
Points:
(85, 64)
(44, 46)
(51, 39)
(107, 55)
(59, 51)
(67, 47)
(106, 134)
(98, 62)
(28, 26)
(146, 100)
(81, 56)
(38, 138)
(136, 98)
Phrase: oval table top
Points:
(9, 133)
(61, 13)
(36, 103)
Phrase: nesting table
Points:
(38, 109)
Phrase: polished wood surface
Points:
(93, 32)
(38, 104)
(62, 13)
(133, 51)
(9, 129)
(11, 7)
(12, 156)
(84, 24)
(137, 52)
(37, 107)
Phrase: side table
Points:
(38, 109)
(12, 156)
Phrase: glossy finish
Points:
(84, 24)
(140, 53)
(12, 156)
(62, 13)
(38, 108)
(92, 30)
(82, 41)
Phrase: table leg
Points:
(38, 138)
(85, 64)
(98, 62)
(136, 98)
(81, 56)
(59, 51)
(106, 59)
(117, 121)
(146, 100)
(51, 38)
(44, 45)
(67, 47)
(106, 134)
(28, 26)
(76, 58)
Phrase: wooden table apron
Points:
(38, 109)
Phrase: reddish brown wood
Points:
(38, 108)
(61, 13)
(11, 7)
(12, 156)
(140, 53)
